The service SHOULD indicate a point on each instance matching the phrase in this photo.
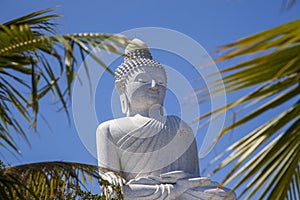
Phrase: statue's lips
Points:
(152, 93)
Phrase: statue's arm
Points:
(107, 150)
(108, 159)
(190, 156)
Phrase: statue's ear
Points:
(120, 84)
(124, 103)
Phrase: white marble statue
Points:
(156, 154)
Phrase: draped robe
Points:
(152, 155)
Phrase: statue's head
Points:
(140, 80)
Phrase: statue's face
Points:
(146, 87)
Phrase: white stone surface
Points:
(156, 154)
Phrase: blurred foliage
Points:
(266, 160)
(29, 48)
(51, 180)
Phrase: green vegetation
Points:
(266, 160)
(26, 45)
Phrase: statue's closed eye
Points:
(142, 80)
(147, 81)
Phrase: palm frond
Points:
(49, 180)
(267, 159)
(39, 21)
(26, 46)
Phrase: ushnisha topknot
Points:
(137, 54)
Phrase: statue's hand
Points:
(171, 177)
(185, 184)
(166, 178)
(145, 181)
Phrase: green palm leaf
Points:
(266, 160)
(26, 46)
(50, 180)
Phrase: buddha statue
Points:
(155, 154)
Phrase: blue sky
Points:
(209, 22)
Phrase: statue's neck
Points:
(154, 112)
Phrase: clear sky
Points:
(209, 22)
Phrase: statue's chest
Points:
(158, 153)
(151, 148)
(148, 138)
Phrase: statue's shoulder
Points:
(107, 123)
(178, 120)
(112, 124)
(115, 128)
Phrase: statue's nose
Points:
(153, 85)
